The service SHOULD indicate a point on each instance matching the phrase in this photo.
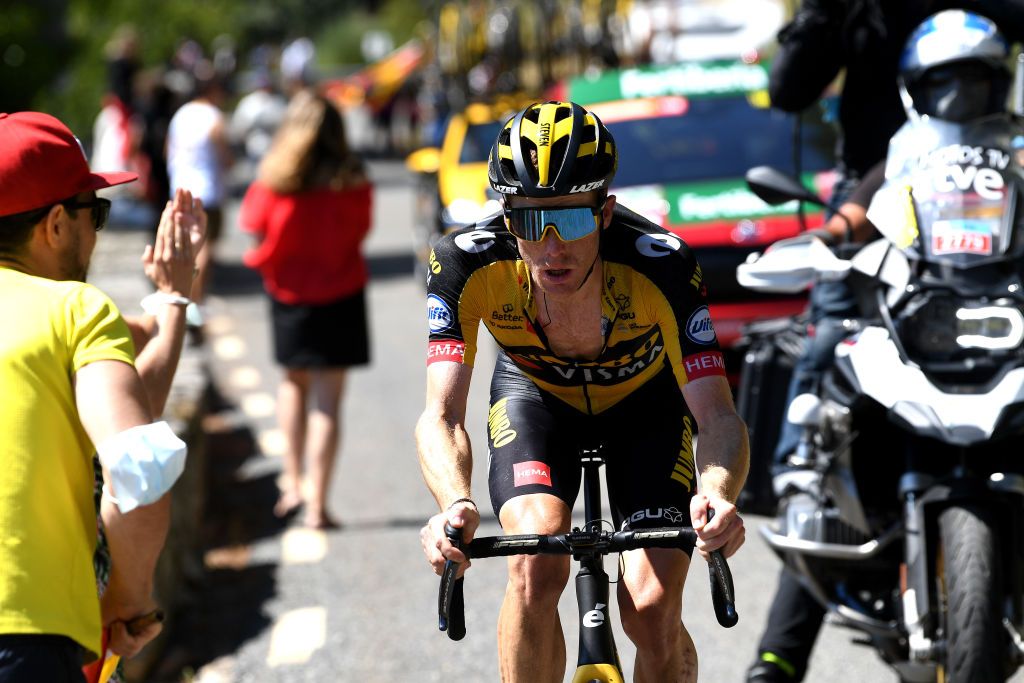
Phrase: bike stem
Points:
(591, 460)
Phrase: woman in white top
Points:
(198, 157)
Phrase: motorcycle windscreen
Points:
(964, 227)
(951, 192)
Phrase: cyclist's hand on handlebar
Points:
(725, 532)
(437, 547)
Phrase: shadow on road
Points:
(226, 608)
(235, 279)
(400, 523)
(389, 265)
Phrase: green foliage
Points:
(339, 43)
(52, 52)
(33, 49)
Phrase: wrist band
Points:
(151, 305)
(152, 302)
(463, 500)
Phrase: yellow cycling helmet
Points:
(551, 149)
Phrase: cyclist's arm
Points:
(723, 457)
(441, 439)
(723, 454)
(447, 461)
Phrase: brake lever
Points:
(451, 615)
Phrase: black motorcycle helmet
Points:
(953, 67)
(551, 149)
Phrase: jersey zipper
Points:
(586, 394)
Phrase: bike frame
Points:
(598, 658)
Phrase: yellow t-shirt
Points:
(47, 516)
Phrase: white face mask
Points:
(143, 462)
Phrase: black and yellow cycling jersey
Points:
(654, 311)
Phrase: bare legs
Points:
(650, 604)
(291, 416)
(531, 647)
(308, 409)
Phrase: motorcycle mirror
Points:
(775, 187)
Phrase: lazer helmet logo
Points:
(506, 189)
(544, 137)
(587, 187)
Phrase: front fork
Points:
(924, 499)
(917, 577)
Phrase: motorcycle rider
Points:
(957, 80)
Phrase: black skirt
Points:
(321, 336)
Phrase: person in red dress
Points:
(310, 207)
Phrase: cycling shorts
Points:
(534, 441)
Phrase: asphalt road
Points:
(359, 604)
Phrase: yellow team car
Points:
(453, 189)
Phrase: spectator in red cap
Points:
(66, 366)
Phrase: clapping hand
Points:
(170, 262)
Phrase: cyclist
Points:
(604, 335)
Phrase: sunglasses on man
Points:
(570, 223)
(100, 210)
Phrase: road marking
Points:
(229, 347)
(228, 557)
(219, 324)
(244, 377)
(303, 546)
(258, 404)
(220, 670)
(272, 442)
(297, 635)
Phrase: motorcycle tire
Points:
(971, 614)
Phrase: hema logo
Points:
(531, 472)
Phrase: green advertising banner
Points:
(722, 200)
(705, 79)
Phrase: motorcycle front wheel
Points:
(970, 596)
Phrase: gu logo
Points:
(507, 308)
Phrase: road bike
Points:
(598, 658)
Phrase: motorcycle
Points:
(906, 517)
